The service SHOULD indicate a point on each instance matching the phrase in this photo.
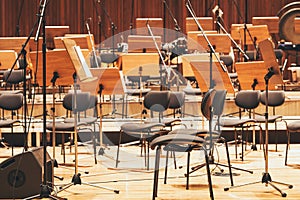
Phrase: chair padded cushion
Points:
(87, 120)
(271, 119)
(60, 126)
(8, 122)
(140, 127)
(294, 126)
(177, 139)
(236, 122)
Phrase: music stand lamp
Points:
(266, 49)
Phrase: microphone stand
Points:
(233, 41)
(19, 17)
(131, 17)
(246, 30)
(161, 57)
(113, 28)
(99, 23)
(94, 63)
(177, 29)
(45, 187)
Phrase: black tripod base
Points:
(267, 180)
(45, 193)
(76, 180)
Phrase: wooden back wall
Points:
(123, 13)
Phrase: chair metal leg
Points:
(211, 193)
(287, 146)
(166, 168)
(156, 172)
(118, 151)
(188, 171)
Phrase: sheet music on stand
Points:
(81, 67)
(84, 65)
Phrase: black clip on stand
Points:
(266, 178)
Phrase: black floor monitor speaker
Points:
(21, 175)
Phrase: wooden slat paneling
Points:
(75, 12)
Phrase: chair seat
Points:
(61, 126)
(236, 122)
(192, 91)
(271, 119)
(137, 92)
(294, 126)
(140, 127)
(8, 123)
(203, 133)
(87, 120)
(166, 121)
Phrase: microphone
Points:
(269, 74)
(255, 82)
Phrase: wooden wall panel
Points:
(75, 12)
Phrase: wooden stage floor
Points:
(134, 182)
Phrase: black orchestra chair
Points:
(187, 140)
(157, 102)
(245, 100)
(218, 106)
(82, 122)
(292, 127)
(177, 100)
(12, 79)
(275, 99)
(10, 102)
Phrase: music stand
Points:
(108, 83)
(59, 68)
(206, 23)
(156, 23)
(84, 74)
(82, 40)
(139, 65)
(192, 39)
(13, 43)
(269, 58)
(220, 42)
(142, 44)
(55, 31)
(220, 78)
(7, 58)
(253, 72)
(187, 70)
(271, 22)
(260, 32)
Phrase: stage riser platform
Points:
(291, 107)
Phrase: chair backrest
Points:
(207, 104)
(13, 77)
(177, 100)
(275, 98)
(247, 99)
(219, 102)
(157, 101)
(11, 101)
(83, 101)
